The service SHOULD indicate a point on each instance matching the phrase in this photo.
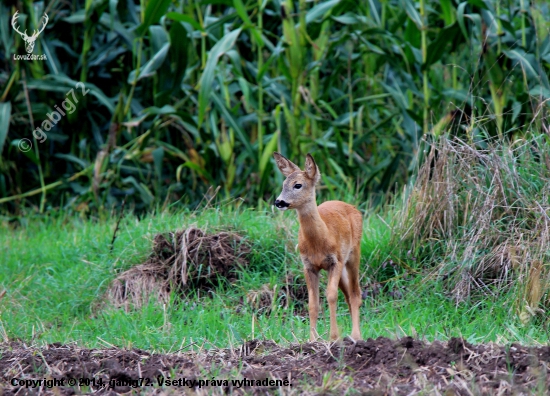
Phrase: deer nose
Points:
(281, 204)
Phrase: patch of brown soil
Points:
(185, 259)
(375, 366)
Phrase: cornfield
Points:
(166, 102)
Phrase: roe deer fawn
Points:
(329, 239)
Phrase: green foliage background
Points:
(184, 96)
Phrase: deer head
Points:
(29, 40)
(299, 186)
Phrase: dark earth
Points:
(373, 367)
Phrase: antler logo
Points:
(29, 40)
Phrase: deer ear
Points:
(312, 170)
(286, 166)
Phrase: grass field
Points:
(55, 270)
(453, 273)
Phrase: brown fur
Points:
(329, 239)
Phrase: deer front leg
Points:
(312, 281)
(334, 274)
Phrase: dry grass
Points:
(484, 213)
(182, 260)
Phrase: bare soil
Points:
(372, 367)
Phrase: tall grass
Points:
(478, 215)
(186, 96)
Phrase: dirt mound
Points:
(375, 366)
(185, 259)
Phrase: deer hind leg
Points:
(353, 297)
(334, 276)
(344, 285)
(312, 281)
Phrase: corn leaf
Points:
(151, 66)
(5, 116)
(154, 10)
(268, 152)
(207, 78)
(232, 123)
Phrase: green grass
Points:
(56, 268)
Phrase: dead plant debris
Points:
(184, 260)
(374, 366)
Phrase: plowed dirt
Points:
(373, 367)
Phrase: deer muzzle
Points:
(279, 203)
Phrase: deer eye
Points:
(297, 186)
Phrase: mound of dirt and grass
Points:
(195, 260)
(375, 366)
(182, 260)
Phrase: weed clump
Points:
(483, 212)
(190, 259)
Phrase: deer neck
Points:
(312, 226)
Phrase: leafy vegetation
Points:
(184, 97)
